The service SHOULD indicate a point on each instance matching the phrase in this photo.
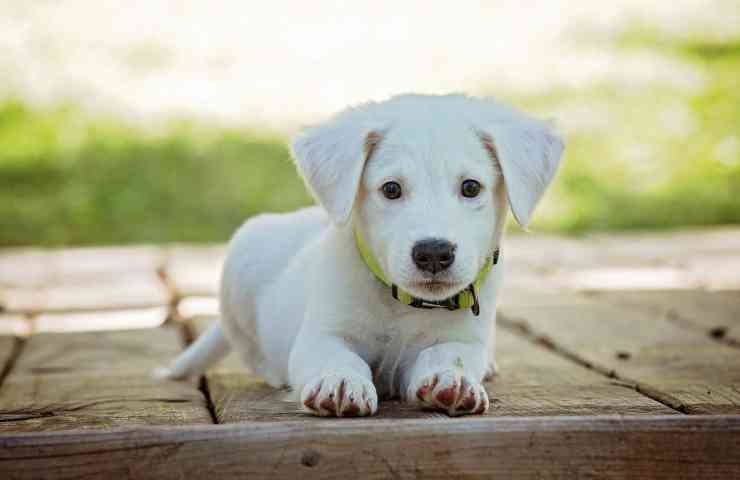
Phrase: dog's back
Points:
(259, 254)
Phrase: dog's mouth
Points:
(436, 289)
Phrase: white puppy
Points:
(414, 193)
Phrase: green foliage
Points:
(648, 157)
(67, 180)
(661, 156)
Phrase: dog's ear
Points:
(331, 158)
(528, 154)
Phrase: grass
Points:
(654, 157)
(65, 179)
(664, 157)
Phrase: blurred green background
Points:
(657, 156)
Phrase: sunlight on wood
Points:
(98, 321)
(659, 278)
(197, 306)
(18, 325)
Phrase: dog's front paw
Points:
(340, 395)
(451, 392)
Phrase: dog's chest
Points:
(395, 342)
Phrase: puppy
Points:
(388, 288)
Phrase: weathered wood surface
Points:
(575, 337)
(533, 381)
(678, 366)
(673, 447)
(127, 290)
(81, 279)
(682, 259)
(8, 346)
(73, 381)
(715, 313)
(15, 324)
(100, 320)
(194, 271)
(38, 268)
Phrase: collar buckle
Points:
(476, 306)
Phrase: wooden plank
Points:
(43, 267)
(195, 271)
(95, 381)
(81, 279)
(715, 313)
(202, 306)
(707, 258)
(535, 381)
(7, 349)
(671, 246)
(110, 352)
(674, 447)
(20, 325)
(532, 381)
(80, 265)
(681, 368)
(100, 320)
(715, 271)
(130, 290)
(23, 267)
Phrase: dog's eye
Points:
(391, 190)
(470, 188)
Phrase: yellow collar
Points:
(467, 298)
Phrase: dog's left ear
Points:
(528, 154)
(331, 159)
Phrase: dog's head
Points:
(426, 180)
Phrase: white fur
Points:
(301, 307)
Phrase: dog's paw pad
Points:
(340, 396)
(450, 392)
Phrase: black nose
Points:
(433, 255)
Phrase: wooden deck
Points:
(619, 356)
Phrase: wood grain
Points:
(532, 381)
(715, 313)
(127, 290)
(109, 352)
(680, 367)
(97, 381)
(673, 447)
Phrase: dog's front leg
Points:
(447, 377)
(331, 378)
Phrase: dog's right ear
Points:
(331, 158)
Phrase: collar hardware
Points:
(467, 298)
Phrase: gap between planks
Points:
(188, 336)
(523, 330)
(184, 328)
(97, 380)
(8, 363)
(677, 364)
(539, 383)
(715, 314)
